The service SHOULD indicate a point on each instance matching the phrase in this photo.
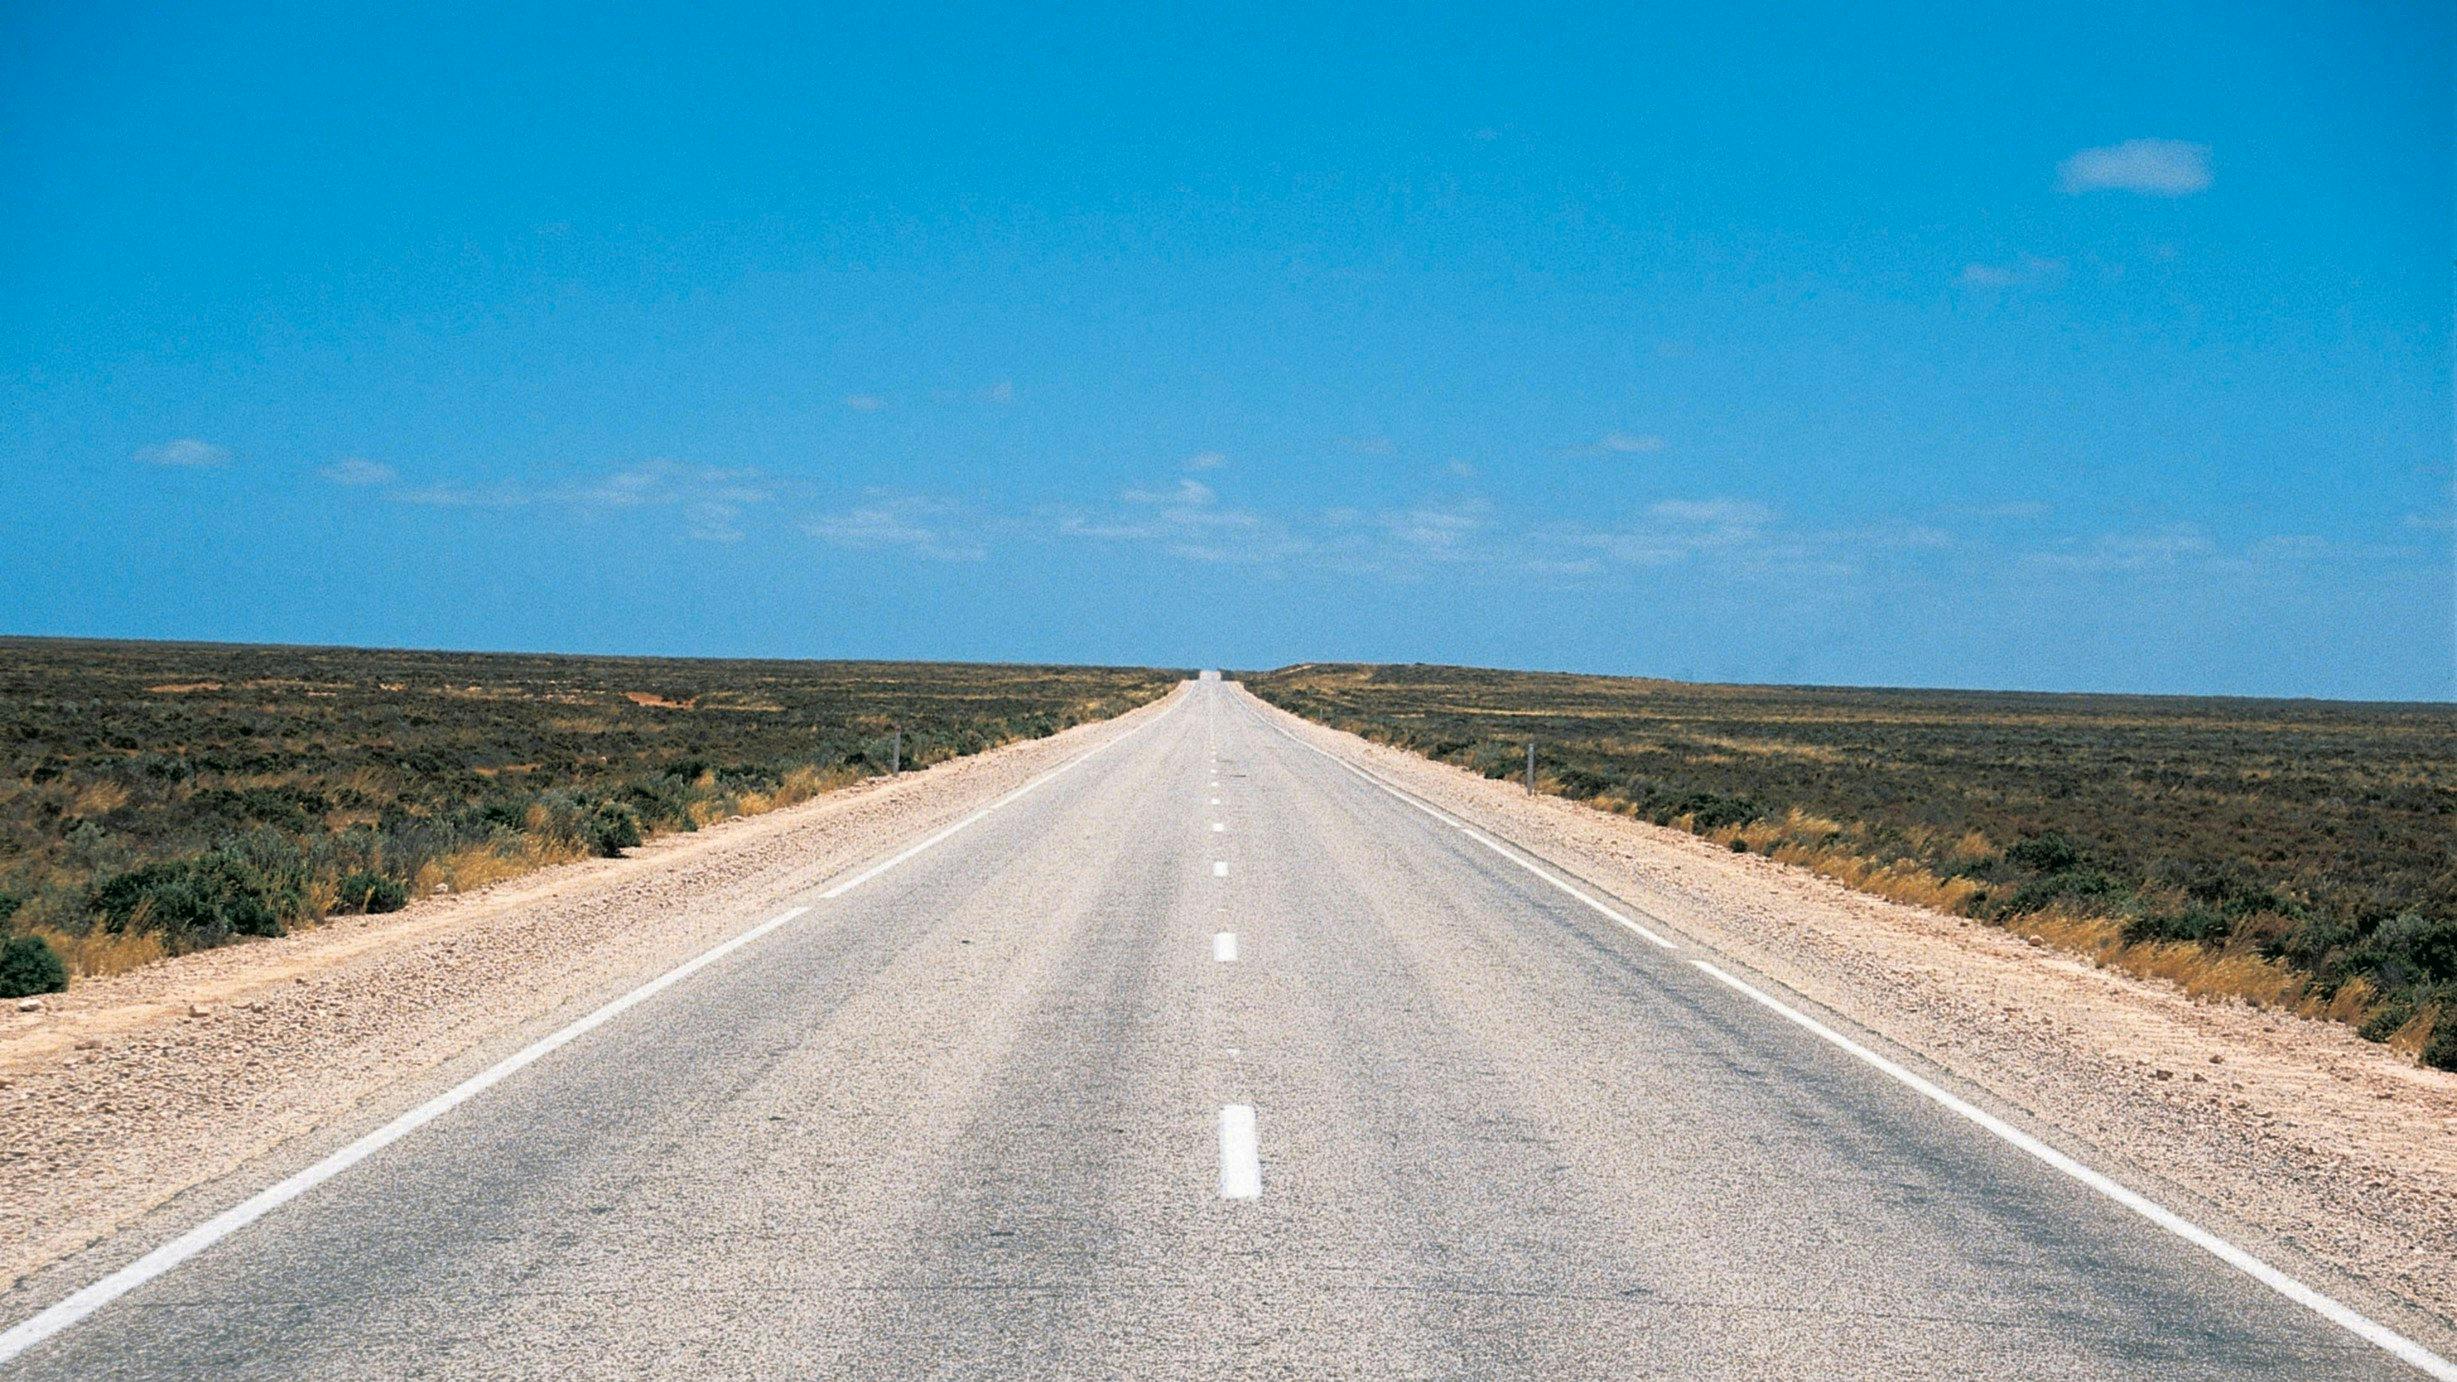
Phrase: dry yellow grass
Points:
(104, 952)
(475, 867)
(2417, 1031)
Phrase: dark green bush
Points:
(2199, 924)
(2077, 885)
(28, 965)
(2441, 1049)
(364, 890)
(202, 900)
(1713, 810)
(2045, 854)
(613, 827)
(2406, 951)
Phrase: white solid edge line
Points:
(2327, 1307)
(74, 1308)
(1241, 1166)
(1224, 947)
(2341, 1315)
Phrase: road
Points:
(1205, 1056)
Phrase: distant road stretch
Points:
(1202, 1056)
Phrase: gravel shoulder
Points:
(2298, 1131)
(123, 1093)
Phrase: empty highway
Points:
(1203, 1056)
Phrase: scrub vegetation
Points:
(158, 798)
(2294, 854)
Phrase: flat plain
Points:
(161, 797)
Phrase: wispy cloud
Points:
(709, 500)
(864, 402)
(359, 471)
(1618, 443)
(187, 452)
(463, 496)
(1001, 392)
(905, 523)
(2152, 167)
(2135, 551)
(2029, 271)
(1206, 460)
(1369, 446)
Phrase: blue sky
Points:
(2069, 347)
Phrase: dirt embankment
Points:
(128, 1090)
(2296, 1130)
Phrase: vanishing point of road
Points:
(1203, 1055)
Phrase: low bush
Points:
(202, 900)
(28, 966)
(2045, 854)
(613, 827)
(364, 890)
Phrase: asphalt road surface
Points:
(1205, 1057)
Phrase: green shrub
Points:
(2077, 885)
(364, 890)
(2046, 854)
(1712, 810)
(202, 900)
(613, 827)
(2198, 924)
(2441, 1049)
(28, 965)
(2386, 1019)
(2420, 949)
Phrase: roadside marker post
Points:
(1531, 767)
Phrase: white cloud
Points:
(710, 500)
(357, 470)
(1435, 530)
(2029, 271)
(187, 452)
(1186, 493)
(1716, 513)
(922, 527)
(1460, 468)
(2153, 167)
(463, 496)
(1619, 443)
(2168, 546)
(1206, 460)
(864, 402)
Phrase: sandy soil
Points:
(125, 1091)
(2298, 1130)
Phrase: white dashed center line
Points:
(1224, 947)
(1220, 869)
(1241, 1163)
